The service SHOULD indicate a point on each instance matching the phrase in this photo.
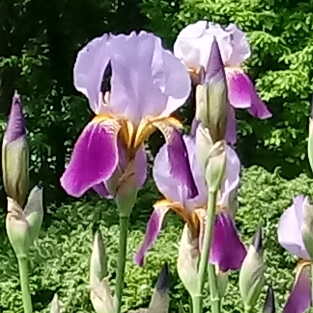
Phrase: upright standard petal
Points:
(227, 251)
(152, 231)
(89, 68)
(300, 297)
(289, 229)
(94, 158)
(137, 66)
(178, 158)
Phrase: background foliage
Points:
(61, 255)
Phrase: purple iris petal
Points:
(174, 189)
(227, 252)
(94, 158)
(300, 297)
(102, 191)
(141, 166)
(152, 232)
(194, 125)
(239, 88)
(258, 108)
(231, 127)
(16, 123)
(289, 229)
(89, 68)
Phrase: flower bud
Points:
(98, 260)
(160, 299)
(211, 96)
(34, 211)
(307, 227)
(55, 306)
(100, 296)
(17, 229)
(251, 277)
(269, 304)
(187, 263)
(15, 154)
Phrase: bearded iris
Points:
(227, 251)
(193, 46)
(133, 85)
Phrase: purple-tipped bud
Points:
(15, 154)
(257, 240)
(163, 283)
(211, 96)
(269, 304)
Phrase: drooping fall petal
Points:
(289, 229)
(94, 158)
(300, 297)
(258, 108)
(227, 252)
(153, 229)
(231, 128)
(102, 191)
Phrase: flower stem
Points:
(203, 265)
(23, 269)
(311, 285)
(124, 222)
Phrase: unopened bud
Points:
(222, 282)
(160, 299)
(15, 154)
(211, 96)
(269, 304)
(55, 306)
(17, 229)
(187, 263)
(251, 277)
(98, 260)
(34, 211)
(100, 296)
(307, 226)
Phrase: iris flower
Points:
(132, 85)
(227, 250)
(290, 238)
(193, 47)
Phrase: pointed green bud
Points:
(251, 277)
(269, 304)
(160, 299)
(307, 226)
(211, 96)
(55, 306)
(98, 260)
(15, 154)
(187, 263)
(222, 282)
(17, 229)
(34, 211)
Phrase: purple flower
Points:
(193, 210)
(193, 47)
(290, 238)
(133, 85)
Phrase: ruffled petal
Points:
(227, 251)
(240, 88)
(289, 229)
(178, 158)
(241, 48)
(177, 83)
(137, 67)
(300, 297)
(153, 229)
(94, 157)
(231, 127)
(89, 68)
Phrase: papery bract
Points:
(193, 46)
(133, 85)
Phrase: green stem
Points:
(23, 269)
(204, 260)
(124, 221)
(196, 303)
(312, 285)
